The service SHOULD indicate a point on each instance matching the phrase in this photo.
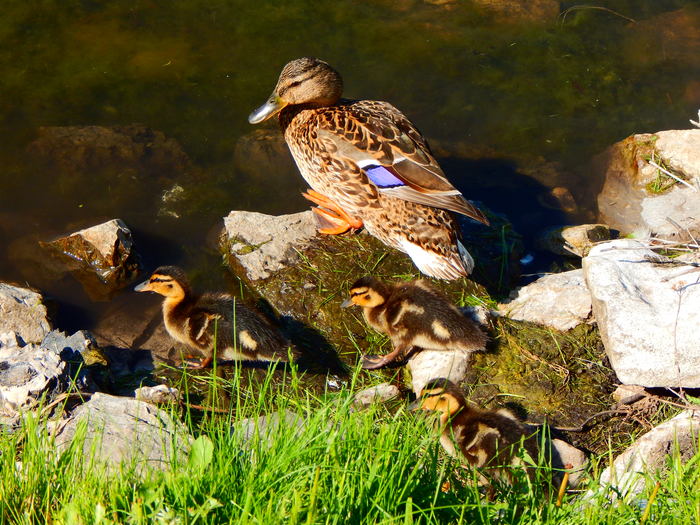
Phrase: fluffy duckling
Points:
(414, 315)
(213, 323)
(485, 438)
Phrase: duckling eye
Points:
(295, 83)
(367, 297)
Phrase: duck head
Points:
(440, 395)
(305, 80)
(168, 281)
(367, 292)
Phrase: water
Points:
(512, 108)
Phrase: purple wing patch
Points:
(382, 177)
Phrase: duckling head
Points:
(168, 281)
(367, 292)
(305, 80)
(440, 395)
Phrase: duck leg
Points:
(329, 213)
(372, 362)
(197, 364)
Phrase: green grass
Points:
(381, 465)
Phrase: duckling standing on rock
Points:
(414, 315)
(485, 438)
(368, 165)
(215, 324)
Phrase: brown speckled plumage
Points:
(332, 143)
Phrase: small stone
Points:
(265, 427)
(574, 240)
(158, 394)
(559, 198)
(377, 394)
(427, 365)
(560, 301)
(628, 394)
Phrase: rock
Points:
(79, 351)
(157, 394)
(101, 257)
(568, 457)
(126, 432)
(560, 301)
(434, 364)
(517, 11)
(266, 427)
(28, 374)
(262, 154)
(22, 311)
(628, 394)
(649, 456)
(559, 198)
(648, 315)
(380, 393)
(574, 240)
(263, 244)
(126, 149)
(639, 199)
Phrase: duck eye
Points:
(170, 286)
(295, 83)
(367, 297)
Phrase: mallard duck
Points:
(214, 324)
(484, 438)
(414, 315)
(367, 164)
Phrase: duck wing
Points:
(393, 155)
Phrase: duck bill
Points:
(415, 405)
(347, 303)
(143, 287)
(273, 106)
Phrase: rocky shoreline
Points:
(634, 304)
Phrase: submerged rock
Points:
(649, 456)
(639, 198)
(101, 257)
(648, 310)
(123, 432)
(22, 311)
(560, 301)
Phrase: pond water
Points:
(513, 105)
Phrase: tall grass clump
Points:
(320, 461)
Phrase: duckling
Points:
(368, 165)
(485, 438)
(414, 315)
(215, 324)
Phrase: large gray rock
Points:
(101, 257)
(433, 364)
(560, 301)
(264, 244)
(650, 455)
(125, 431)
(648, 312)
(639, 199)
(22, 311)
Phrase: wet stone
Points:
(574, 240)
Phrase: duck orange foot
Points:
(332, 219)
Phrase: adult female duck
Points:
(368, 165)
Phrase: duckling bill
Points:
(368, 165)
(414, 315)
(487, 439)
(214, 324)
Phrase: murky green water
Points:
(513, 107)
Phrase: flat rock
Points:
(380, 393)
(263, 244)
(649, 456)
(101, 257)
(560, 301)
(125, 431)
(639, 199)
(158, 394)
(648, 311)
(22, 311)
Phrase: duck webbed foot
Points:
(197, 364)
(397, 357)
(332, 219)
